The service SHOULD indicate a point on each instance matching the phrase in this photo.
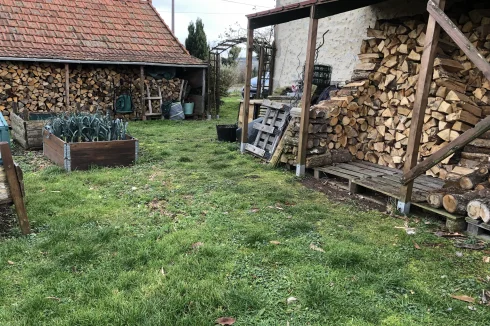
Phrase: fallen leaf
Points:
(274, 242)
(316, 248)
(291, 300)
(197, 245)
(10, 262)
(226, 321)
(134, 188)
(464, 298)
(254, 210)
(162, 271)
(486, 259)
(472, 308)
(53, 298)
(416, 245)
(459, 254)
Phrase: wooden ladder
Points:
(150, 114)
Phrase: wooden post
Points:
(248, 76)
(208, 111)
(271, 68)
(307, 89)
(420, 104)
(260, 72)
(204, 85)
(15, 189)
(142, 90)
(218, 95)
(67, 86)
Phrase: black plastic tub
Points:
(227, 133)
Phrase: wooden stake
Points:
(67, 86)
(15, 189)
(422, 94)
(248, 76)
(142, 90)
(306, 100)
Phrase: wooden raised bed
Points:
(81, 156)
(29, 132)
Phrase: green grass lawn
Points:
(183, 238)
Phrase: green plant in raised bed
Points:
(81, 127)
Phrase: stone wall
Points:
(346, 32)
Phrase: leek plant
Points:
(82, 127)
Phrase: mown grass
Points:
(183, 238)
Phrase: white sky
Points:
(217, 15)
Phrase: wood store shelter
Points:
(57, 55)
(318, 9)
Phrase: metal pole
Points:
(173, 16)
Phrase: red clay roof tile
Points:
(89, 30)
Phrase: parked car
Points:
(253, 88)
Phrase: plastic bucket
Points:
(189, 108)
(227, 133)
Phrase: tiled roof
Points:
(89, 30)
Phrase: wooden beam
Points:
(248, 76)
(307, 89)
(420, 104)
(259, 73)
(142, 90)
(15, 188)
(451, 148)
(217, 89)
(458, 37)
(271, 66)
(67, 86)
(204, 85)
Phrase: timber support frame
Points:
(437, 20)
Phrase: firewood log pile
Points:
(371, 116)
(319, 153)
(40, 87)
(468, 196)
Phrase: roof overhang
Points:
(29, 59)
(324, 8)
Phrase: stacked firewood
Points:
(470, 195)
(40, 87)
(319, 138)
(372, 114)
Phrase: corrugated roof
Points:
(89, 30)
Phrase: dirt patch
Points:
(8, 220)
(335, 190)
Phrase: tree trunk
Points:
(470, 181)
(435, 198)
(457, 203)
(479, 209)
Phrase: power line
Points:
(246, 4)
(207, 13)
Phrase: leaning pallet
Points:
(270, 130)
(12, 186)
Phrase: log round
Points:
(457, 203)
(479, 209)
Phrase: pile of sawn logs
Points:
(41, 87)
(371, 116)
(470, 195)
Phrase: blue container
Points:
(4, 130)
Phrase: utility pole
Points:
(173, 16)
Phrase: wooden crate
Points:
(81, 156)
(28, 132)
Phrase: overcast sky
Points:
(216, 15)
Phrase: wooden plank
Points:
(441, 212)
(67, 86)
(378, 168)
(260, 71)
(264, 128)
(267, 114)
(257, 151)
(248, 77)
(377, 165)
(458, 37)
(142, 91)
(307, 91)
(274, 118)
(417, 185)
(421, 99)
(354, 168)
(389, 188)
(106, 153)
(446, 151)
(342, 173)
(15, 189)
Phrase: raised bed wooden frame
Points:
(82, 156)
(28, 133)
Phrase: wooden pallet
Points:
(478, 229)
(270, 130)
(386, 181)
